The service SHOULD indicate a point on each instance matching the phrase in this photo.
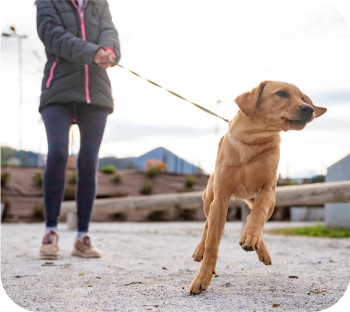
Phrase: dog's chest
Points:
(244, 155)
(248, 168)
(248, 177)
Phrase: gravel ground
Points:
(148, 267)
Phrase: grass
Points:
(110, 169)
(318, 230)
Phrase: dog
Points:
(246, 168)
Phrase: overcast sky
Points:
(209, 52)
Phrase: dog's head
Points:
(280, 105)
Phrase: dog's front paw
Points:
(201, 281)
(264, 254)
(198, 253)
(250, 241)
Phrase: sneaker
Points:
(84, 248)
(49, 247)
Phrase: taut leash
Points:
(175, 94)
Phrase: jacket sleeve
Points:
(58, 40)
(109, 34)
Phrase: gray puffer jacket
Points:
(71, 38)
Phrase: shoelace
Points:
(86, 241)
(48, 238)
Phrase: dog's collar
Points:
(232, 139)
(235, 141)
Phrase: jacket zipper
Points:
(86, 67)
(52, 71)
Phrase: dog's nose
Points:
(306, 109)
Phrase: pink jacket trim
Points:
(52, 70)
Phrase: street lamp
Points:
(19, 37)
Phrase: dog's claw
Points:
(263, 254)
(248, 248)
(241, 243)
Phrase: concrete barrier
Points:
(338, 214)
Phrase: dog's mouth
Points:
(296, 122)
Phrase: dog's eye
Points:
(282, 93)
(303, 99)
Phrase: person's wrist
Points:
(95, 59)
(113, 53)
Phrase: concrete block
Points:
(306, 213)
(72, 220)
(338, 215)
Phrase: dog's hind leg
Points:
(208, 196)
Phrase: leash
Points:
(175, 94)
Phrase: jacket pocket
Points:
(51, 73)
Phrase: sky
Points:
(209, 52)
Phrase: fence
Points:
(296, 195)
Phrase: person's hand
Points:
(104, 58)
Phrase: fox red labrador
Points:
(246, 168)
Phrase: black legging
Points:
(91, 121)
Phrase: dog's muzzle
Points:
(306, 111)
(301, 117)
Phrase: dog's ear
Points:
(319, 111)
(248, 100)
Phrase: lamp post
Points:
(19, 37)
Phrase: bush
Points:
(156, 163)
(147, 188)
(154, 167)
(38, 179)
(152, 172)
(73, 177)
(69, 193)
(5, 177)
(190, 181)
(108, 169)
(38, 212)
(116, 178)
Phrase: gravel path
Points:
(148, 267)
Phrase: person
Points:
(81, 42)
